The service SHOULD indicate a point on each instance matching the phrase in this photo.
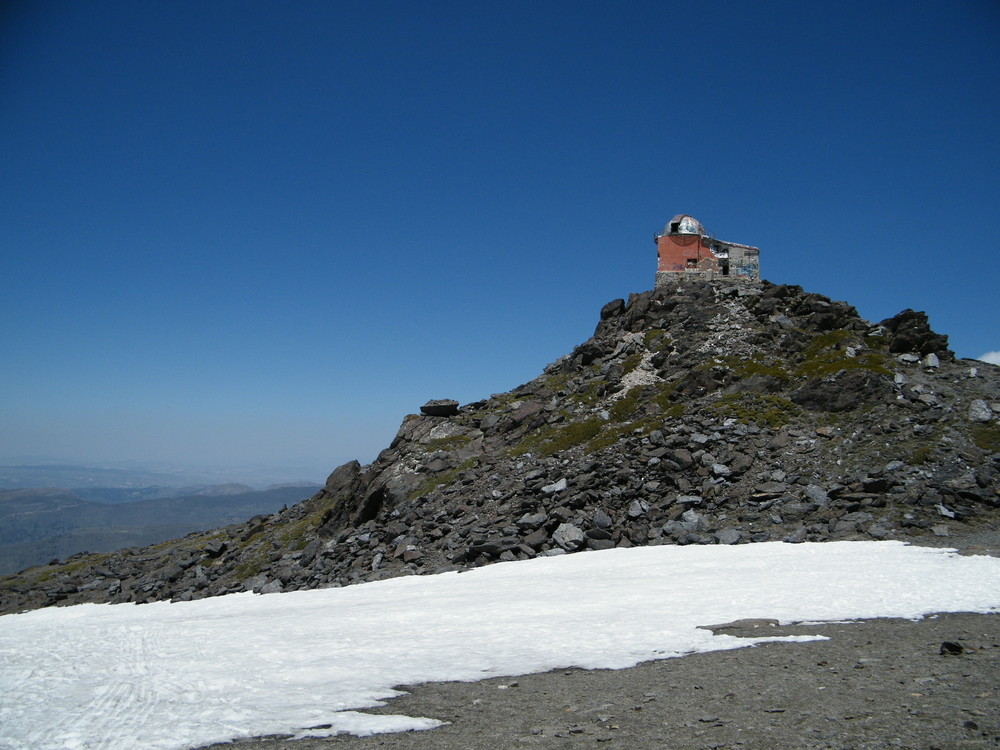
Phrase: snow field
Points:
(176, 675)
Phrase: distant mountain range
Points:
(21, 472)
(39, 524)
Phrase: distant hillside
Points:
(175, 479)
(112, 495)
(41, 524)
(73, 475)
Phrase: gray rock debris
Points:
(979, 411)
(559, 486)
(569, 536)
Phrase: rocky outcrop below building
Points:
(707, 413)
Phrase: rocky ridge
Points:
(709, 413)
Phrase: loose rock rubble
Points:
(712, 413)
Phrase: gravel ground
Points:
(872, 684)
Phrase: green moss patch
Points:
(755, 408)
(987, 437)
(298, 534)
(656, 339)
(630, 363)
(548, 441)
(834, 362)
(557, 382)
(586, 394)
(447, 443)
(627, 405)
(612, 433)
(825, 341)
(826, 354)
(878, 343)
(757, 365)
(663, 396)
(251, 566)
(71, 567)
(445, 478)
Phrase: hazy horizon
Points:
(24, 472)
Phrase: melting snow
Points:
(175, 675)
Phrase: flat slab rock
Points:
(440, 407)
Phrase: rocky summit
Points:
(700, 413)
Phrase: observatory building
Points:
(686, 251)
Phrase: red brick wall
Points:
(675, 250)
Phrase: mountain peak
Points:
(699, 412)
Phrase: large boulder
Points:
(344, 478)
(440, 407)
(569, 536)
(910, 331)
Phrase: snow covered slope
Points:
(175, 675)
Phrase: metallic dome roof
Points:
(684, 224)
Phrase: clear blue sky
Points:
(263, 232)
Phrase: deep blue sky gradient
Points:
(262, 232)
